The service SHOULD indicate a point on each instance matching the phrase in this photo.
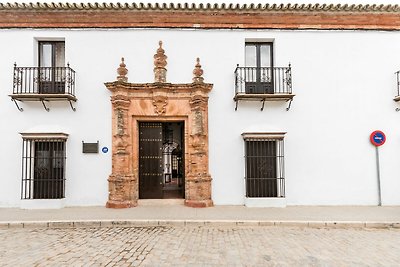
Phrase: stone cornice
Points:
(208, 16)
(168, 87)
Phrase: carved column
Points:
(198, 180)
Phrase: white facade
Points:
(344, 84)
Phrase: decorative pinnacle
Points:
(122, 71)
(198, 72)
(160, 61)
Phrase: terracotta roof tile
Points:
(203, 7)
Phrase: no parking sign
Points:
(377, 138)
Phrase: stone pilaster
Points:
(198, 180)
(121, 182)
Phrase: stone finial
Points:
(198, 72)
(122, 71)
(160, 61)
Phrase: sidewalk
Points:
(305, 216)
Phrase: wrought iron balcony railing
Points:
(44, 80)
(263, 80)
(264, 84)
(43, 84)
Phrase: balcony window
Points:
(50, 81)
(259, 66)
(52, 74)
(260, 80)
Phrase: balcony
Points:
(43, 84)
(397, 97)
(263, 84)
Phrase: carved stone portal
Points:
(159, 102)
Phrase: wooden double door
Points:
(161, 170)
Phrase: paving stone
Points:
(385, 225)
(316, 224)
(61, 224)
(248, 223)
(36, 225)
(345, 224)
(87, 224)
(172, 223)
(15, 225)
(200, 246)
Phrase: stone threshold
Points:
(198, 223)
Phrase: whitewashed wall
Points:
(343, 81)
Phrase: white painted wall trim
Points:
(42, 203)
(265, 202)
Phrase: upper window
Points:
(259, 55)
(52, 72)
(259, 68)
(43, 167)
(52, 54)
(264, 165)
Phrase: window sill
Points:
(265, 202)
(42, 203)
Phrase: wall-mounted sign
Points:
(104, 149)
(90, 147)
(377, 138)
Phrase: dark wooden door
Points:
(150, 160)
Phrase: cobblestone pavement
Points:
(199, 246)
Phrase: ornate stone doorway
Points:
(159, 103)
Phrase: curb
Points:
(197, 223)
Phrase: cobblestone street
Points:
(200, 246)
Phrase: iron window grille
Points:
(264, 165)
(43, 168)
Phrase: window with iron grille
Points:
(264, 174)
(43, 168)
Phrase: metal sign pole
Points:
(379, 177)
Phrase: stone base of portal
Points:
(122, 193)
(120, 204)
(198, 191)
(199, 203)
